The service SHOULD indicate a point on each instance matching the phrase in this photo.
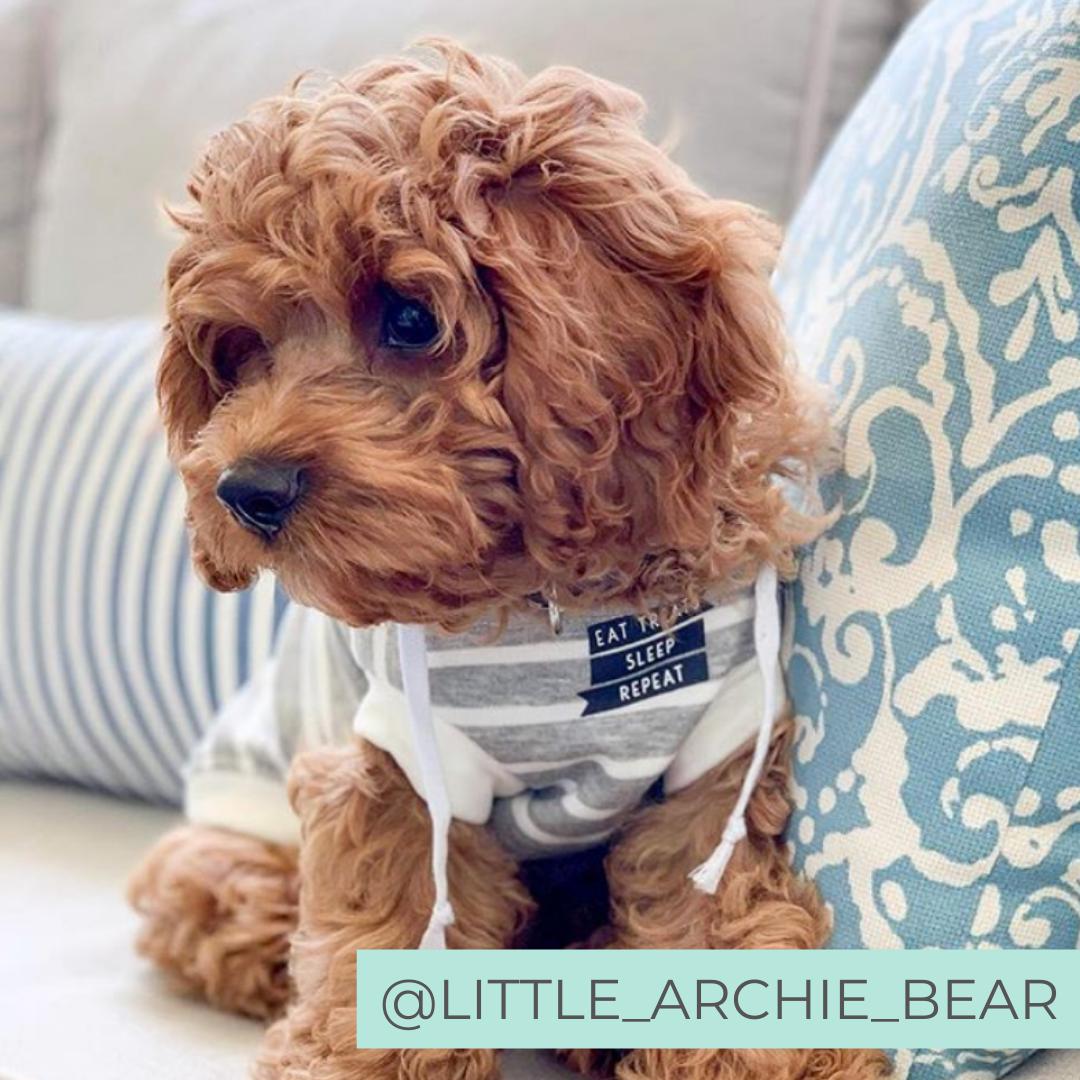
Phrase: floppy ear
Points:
(185, 396)
(757, 420)
(646, 371)
(185, 386)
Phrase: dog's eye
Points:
(233, 349)
(407, 323)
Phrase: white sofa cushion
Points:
(23, 69)
(142, 83)
(75, 1000)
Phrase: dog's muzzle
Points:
(261, 495)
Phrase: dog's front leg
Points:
(761, 904)
(218, 909)
(365, 882)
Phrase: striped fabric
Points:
(114, 656)
(550, 740)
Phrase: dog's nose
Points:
(261, 494)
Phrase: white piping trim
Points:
(808, 145)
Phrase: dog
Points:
(460, 350)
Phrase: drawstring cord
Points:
(414, 676)
(767, 647)
(706, 877)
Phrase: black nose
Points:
(261, 494)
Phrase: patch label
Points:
(633, 659)
(626, 629)
(655, 650)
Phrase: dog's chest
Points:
(568, 731)
(619, 686)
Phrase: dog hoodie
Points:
(549, 739)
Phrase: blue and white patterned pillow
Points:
(114, 656)
(931, 278)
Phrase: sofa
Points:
(103, 104)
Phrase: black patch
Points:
(632, 659)
(626, 629)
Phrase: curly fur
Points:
(218, 911)
(365, 833)
(602, 418)
(761, 905)
(610, 400)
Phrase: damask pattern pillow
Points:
(115, 656)
(931, 279)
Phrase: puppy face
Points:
(441, 338)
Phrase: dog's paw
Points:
(597, 1064)
(308, 1045)
(218, 910)
(706, 1064)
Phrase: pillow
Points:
(23, 36)
(930, 278)
(167, 73)
(115, 657)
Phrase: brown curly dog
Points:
(509, 351)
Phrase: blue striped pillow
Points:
(115, 657)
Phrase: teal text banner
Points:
(1014, 999)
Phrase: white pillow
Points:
(143, 83)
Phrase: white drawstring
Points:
(412, 651)
(767, 646)
(706, 877)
